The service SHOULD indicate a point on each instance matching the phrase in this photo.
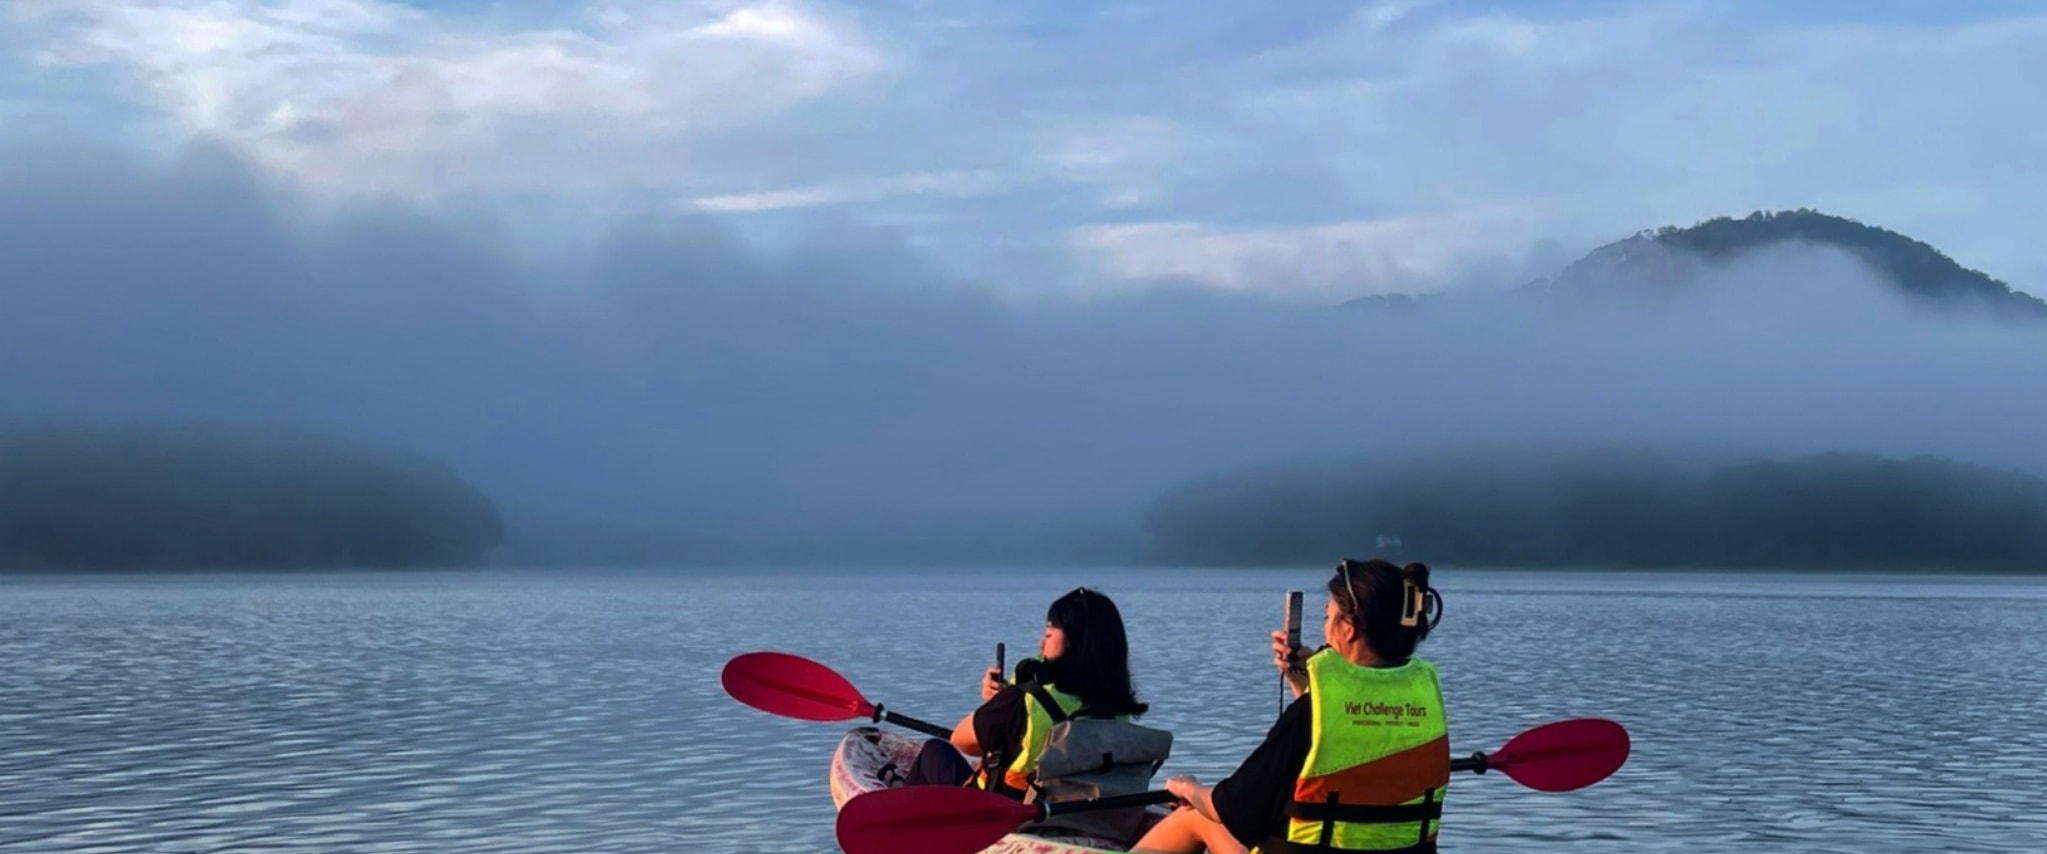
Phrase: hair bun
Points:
(1416, 572)
(1431, 604)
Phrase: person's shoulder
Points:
(1006, 704)
(1298, 716)
(1426, 668)
(1301, 709)
(1008, 695)
(1294, 733)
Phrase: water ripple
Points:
(513, 713)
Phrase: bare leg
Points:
(1187, 832)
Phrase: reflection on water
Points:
(516, 713)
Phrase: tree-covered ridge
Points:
(1918, 270)
(1822, 511)
(222, 497)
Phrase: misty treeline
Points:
(215, 497)
(1642, 508)
(1914, 267)
(1660, 261)
(666, 391)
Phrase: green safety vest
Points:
(1378, 764)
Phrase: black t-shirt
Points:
(999, 723)
(1252, 801)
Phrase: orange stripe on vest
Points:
(1387, 781)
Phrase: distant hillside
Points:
(1518, 508)
(1671, 257)
(227, 498)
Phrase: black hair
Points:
(1096, 664)
(1380, 599)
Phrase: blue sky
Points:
(1305, 150)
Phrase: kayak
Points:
(870, 759)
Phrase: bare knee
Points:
(1187, 832)
(1218, 838)
(1174, 834)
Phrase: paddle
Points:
(952, 819)
(1556, 757)
(796, 687)
(1553, 757)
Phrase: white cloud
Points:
(370, 95)
(1085, 147)
(1321, 262)
(1637, 116)
(1130, 158)
(946, 184)
(1387, 13)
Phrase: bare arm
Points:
(963, 736)
(1194, 794)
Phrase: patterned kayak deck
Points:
(869, 759)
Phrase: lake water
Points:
(522, 713)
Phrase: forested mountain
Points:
(229, 497)
(1605, 508)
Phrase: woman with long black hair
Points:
(1082, 669)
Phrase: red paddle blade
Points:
(928, 820)
(1563, 756)
(794, 687)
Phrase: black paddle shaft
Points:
(1141, 799)
(881, 713)
(1475, 762)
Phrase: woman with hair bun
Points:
(1360, 760)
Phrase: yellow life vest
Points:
(1379, 763)
(1015, 780)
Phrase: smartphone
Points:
(1001, 675)
(1293, 620)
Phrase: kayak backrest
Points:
(1089, 757)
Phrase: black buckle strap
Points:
(1429, 797)
(1363, 813)
(1051, 707)
(1330, 812)
(1288, 846)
